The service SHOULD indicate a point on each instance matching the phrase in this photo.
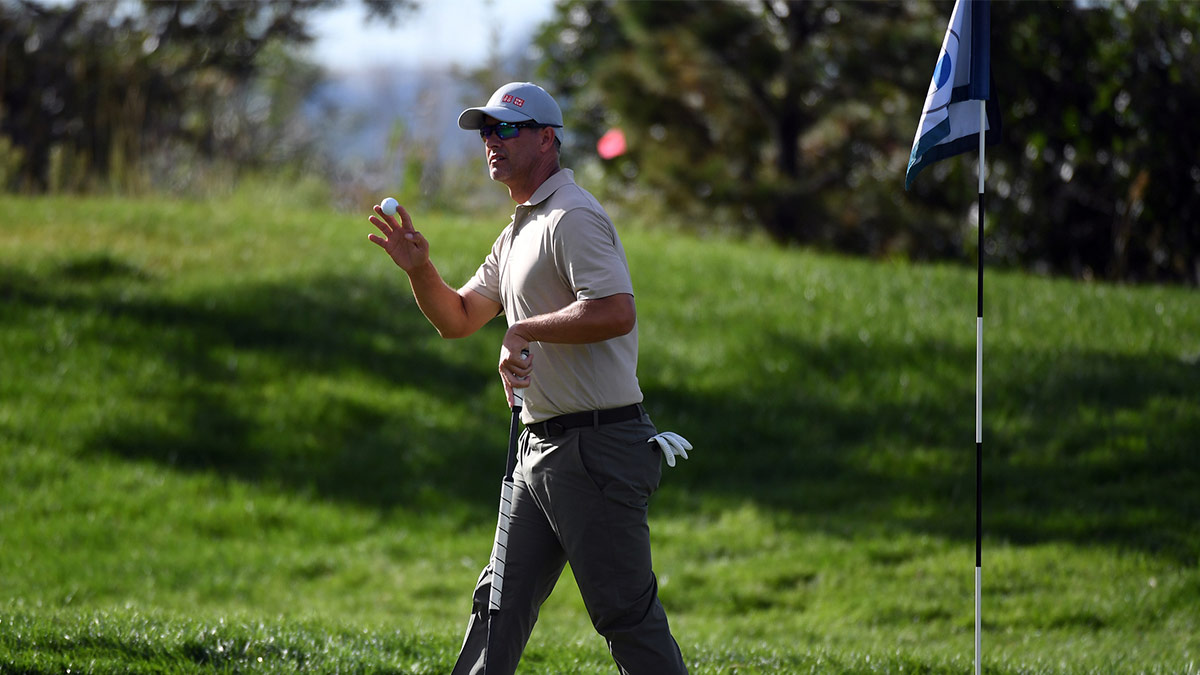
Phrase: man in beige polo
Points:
(586, 466)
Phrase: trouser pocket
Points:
(620, 462)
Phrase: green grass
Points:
(229, 442)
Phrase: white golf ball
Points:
(389, 206)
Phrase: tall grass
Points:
(230, 442)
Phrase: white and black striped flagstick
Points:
(979, 407)
(942, 117)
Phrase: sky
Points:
(438, 33)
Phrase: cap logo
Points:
(509, 98)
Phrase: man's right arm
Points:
(454, 314)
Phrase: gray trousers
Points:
(581, 497)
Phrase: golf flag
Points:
(960, 114)
(950, 123)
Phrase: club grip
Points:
(518, 394)
(500, 546)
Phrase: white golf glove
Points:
(671, 444)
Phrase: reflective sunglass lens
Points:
(503, 130)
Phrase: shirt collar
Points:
(551, 185)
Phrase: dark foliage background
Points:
(798, 117)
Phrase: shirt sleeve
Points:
(589, 254)
(486, 281)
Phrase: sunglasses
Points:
(508, 130)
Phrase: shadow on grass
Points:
(1085, 447)
(1080, 446)
(217, 359)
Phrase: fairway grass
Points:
(229, 442)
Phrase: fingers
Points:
(516, 363)
(407, 247)
(515, 381)
(385, 223)
(389, 226)
(401, 221)
(515, 371)
(406, 221)
(390, 230)
(520, 369)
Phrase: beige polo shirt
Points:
(561, 247)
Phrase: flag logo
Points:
(941, 75)
(949, 121)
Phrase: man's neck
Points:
(523, 192)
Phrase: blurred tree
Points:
(1100, 171)
(782, 115)
(798, 117)
(87, 89)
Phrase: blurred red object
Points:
(611, 144)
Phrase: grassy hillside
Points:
(230, 442)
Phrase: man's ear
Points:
(547, 139)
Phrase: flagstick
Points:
(979, 406)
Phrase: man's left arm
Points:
(581, 322)
(589, 256)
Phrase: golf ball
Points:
(389, 206)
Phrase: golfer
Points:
(586, 467)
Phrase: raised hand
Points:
(403, 243)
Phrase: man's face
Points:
(513, 158)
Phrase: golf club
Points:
(500, 545)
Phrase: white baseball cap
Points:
(515, 102)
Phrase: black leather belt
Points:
(588, 418)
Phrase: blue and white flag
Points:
(950, 120)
